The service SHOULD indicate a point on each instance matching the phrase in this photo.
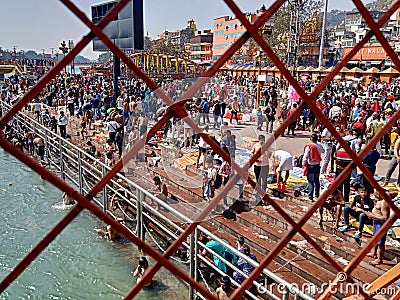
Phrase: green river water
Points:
(78, 264)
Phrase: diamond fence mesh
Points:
(177, 108)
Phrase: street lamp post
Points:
(64, 50)
(258, 96)
(321, 48)
(266, 31)
(70, 46)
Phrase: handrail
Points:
(293, 288)
(68, 148)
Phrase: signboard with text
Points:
(367, 53)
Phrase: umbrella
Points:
(390, 71)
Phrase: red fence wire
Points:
(84, 202)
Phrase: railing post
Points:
(192, 265)
(143, 217)
(139, 212)
(61, 158)
(46, 147)
(105, 204)
(80, 178)
(285, 294)
(17, 121)
(196, 251)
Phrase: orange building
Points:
(226, 31)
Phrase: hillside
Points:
(335, 16)
(383, 4)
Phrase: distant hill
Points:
(31, 54)
(335, 17)
(382, 4)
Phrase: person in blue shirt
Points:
(96, 101)
(370, 161)
(356, 111)
(244, 266)
(259, 118)
(222, 251)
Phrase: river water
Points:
(78, 264)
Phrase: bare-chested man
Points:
(39, 143)
(160, 190)
(380, 213)
(111, 234)
(142, 124)
(125, 110)
(225, 290)
(67, 199)
(31, 146)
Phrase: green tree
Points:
(165, 46)
(104, 57)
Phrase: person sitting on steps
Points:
(362, 204)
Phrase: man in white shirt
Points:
(335, 111)
(62, 124)
(327, 141)
(285, 164)
(112, 127)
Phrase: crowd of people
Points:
(357, 111)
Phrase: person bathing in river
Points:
(67, 199)
(110, 233)
(141, 270)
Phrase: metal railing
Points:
(82, 170)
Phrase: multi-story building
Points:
(354, 22)
(226, 31)
(200, 46)
(393, 26)
(180, 37)
(354, 29)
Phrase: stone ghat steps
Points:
(299, 266)
(296, 207)
(342, 244)
(312, 259)
(269, 224)
(217, 225)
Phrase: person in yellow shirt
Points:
(377, 123)
(394, 135)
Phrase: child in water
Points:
(141, 270)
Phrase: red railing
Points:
(84, 201)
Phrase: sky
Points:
(42, 24)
